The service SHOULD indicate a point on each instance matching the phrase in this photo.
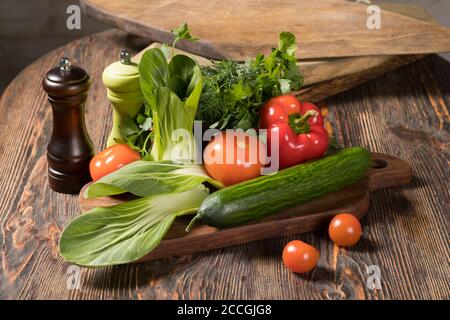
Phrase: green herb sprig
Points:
(182, 32)
(234, 92)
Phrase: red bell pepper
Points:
(301, 135)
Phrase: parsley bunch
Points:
(234, 92)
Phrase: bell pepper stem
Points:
(307, 115)
(299, 123)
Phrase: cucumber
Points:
(266, 195)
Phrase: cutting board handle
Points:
(388, 171)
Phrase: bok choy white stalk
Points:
(172, 91)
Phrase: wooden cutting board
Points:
(327, 77)
(242, 28)
(386, 172)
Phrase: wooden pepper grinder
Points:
(70, 149)
(123, 88)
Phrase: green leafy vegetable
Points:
(138, 132)
(126, 232)
(172, 91)
(182, 32)
(146, 178)
(234, 92)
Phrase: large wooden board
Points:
(326, 77)
(386, 172)
(242, 28)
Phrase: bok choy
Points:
(125, 232)
(172, 91)
(146, 178)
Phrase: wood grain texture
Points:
(403, 113)
(242, 28)
(327, 77)
(386, 172)
(315, 92)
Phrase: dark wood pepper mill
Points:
(70, 149)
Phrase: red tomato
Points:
(300, 257)
(345, 230)
(111, 159)
(234, 157)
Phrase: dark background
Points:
(30, 28)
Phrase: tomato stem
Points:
(299, 123)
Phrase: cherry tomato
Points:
(234, 157)
(300, 257)
(111, 159)
(345, 230)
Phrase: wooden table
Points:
(404, 113)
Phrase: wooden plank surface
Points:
(403, 113)
(243, 28)
(327, 77)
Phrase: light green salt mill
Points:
(121, 80)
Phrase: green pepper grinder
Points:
(121, 79)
